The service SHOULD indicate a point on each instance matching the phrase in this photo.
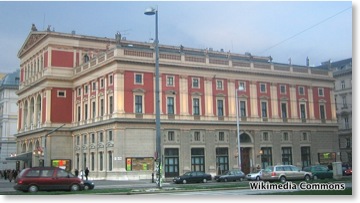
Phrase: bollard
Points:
(152, 177)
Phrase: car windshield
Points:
(187, 174)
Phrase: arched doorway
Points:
(245, 153)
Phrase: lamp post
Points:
(238, 124)
(154, 11)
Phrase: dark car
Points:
(231, 175)
(193, 177)
(319, 171)
(88, 185)
(47, 179)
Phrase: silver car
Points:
(284, 173)
(254, 175)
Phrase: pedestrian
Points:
(82, 174)
(86, 173)
(10, 176)
(76, 173)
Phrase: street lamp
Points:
(238, 124)
(154, 11)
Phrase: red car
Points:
(348, 172)
(46, 179)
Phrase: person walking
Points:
(86, 173)
(82, 174)
(76, 173)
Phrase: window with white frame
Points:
(92, 138)
(61, 93)
(343, 84)
(102, 106)
(138, 78)
(242, 86)
(283, 89)
(305, 136)
(170, 105)
(285, 137)
(101, 137)
(242, 109)
(220, 107)
(111, 104)
(170, 81)
(93, 84)
(264, 109)
(302, 111)
(301, 90)
(85, 111)
(102, 85)
(322, 112)
(321, 92)
(263, 87)
(111, 78)
(78, 91)
(344, 102)
(138, 104)
(221, 136)
(284, 110)
(196, 106)
(110, 135)
(195, 83)
(265, 136)
(219, 85)
(93, 109)
(86, 89)
(84, 139)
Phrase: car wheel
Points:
(307, 178)
(315, 177)
(86, 187)
(283, 179)
(33, 188)
(184, 181)
(258, 178)
(241, 179)
(204, 180)
(225, 180)
(75, 187)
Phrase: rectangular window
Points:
(219, 84)
(101, 160)
(322, 112)
(321, 92)
(286, 156)
(101, 107)
(101, 137)
(93, 109)
(222, 160)
(86, 111)
(61, 93)
(342, 84)
(92, 138)
(170, 105)
(110, 135)
(285, 136)
(346, 121)
(86, 87)
(242, 86)
(305, 156)
(111, 79)
(93, 86)
(305, 137)
(110, 160)
(283, 89)
(348, 143)
(77, 140)
(171, 162)
(242, 109)
(138, 79)
(111, 104)
(264, 109)
(196, 106)
(79, 113)
(196, 136)
(85, 139)
(301, 90)
(138, 104)
(266, 157)
(198, 159)
(283, 110)
(262, 87)
(220, 107)
(302, 111)
(101, 83)
(171, 136)
(265, 136)
(170, 81)
(344, 102)
(195, 83)
(221, 136)
(79, 92)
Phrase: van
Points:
(47, 179)
(284, 173)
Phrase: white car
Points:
(254, 175)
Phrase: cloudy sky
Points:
(319, 30)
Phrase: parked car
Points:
(47, 179)
(348, 172)
(254, 175)
(193, 177)
(231, 175)
(88, 185)
(284, 173)
(319, 171)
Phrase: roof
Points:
(11, 79)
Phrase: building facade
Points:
(9, 85)
(342, 72)
(90, 102)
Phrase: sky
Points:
(319, 30)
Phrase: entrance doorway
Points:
(245, 159)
